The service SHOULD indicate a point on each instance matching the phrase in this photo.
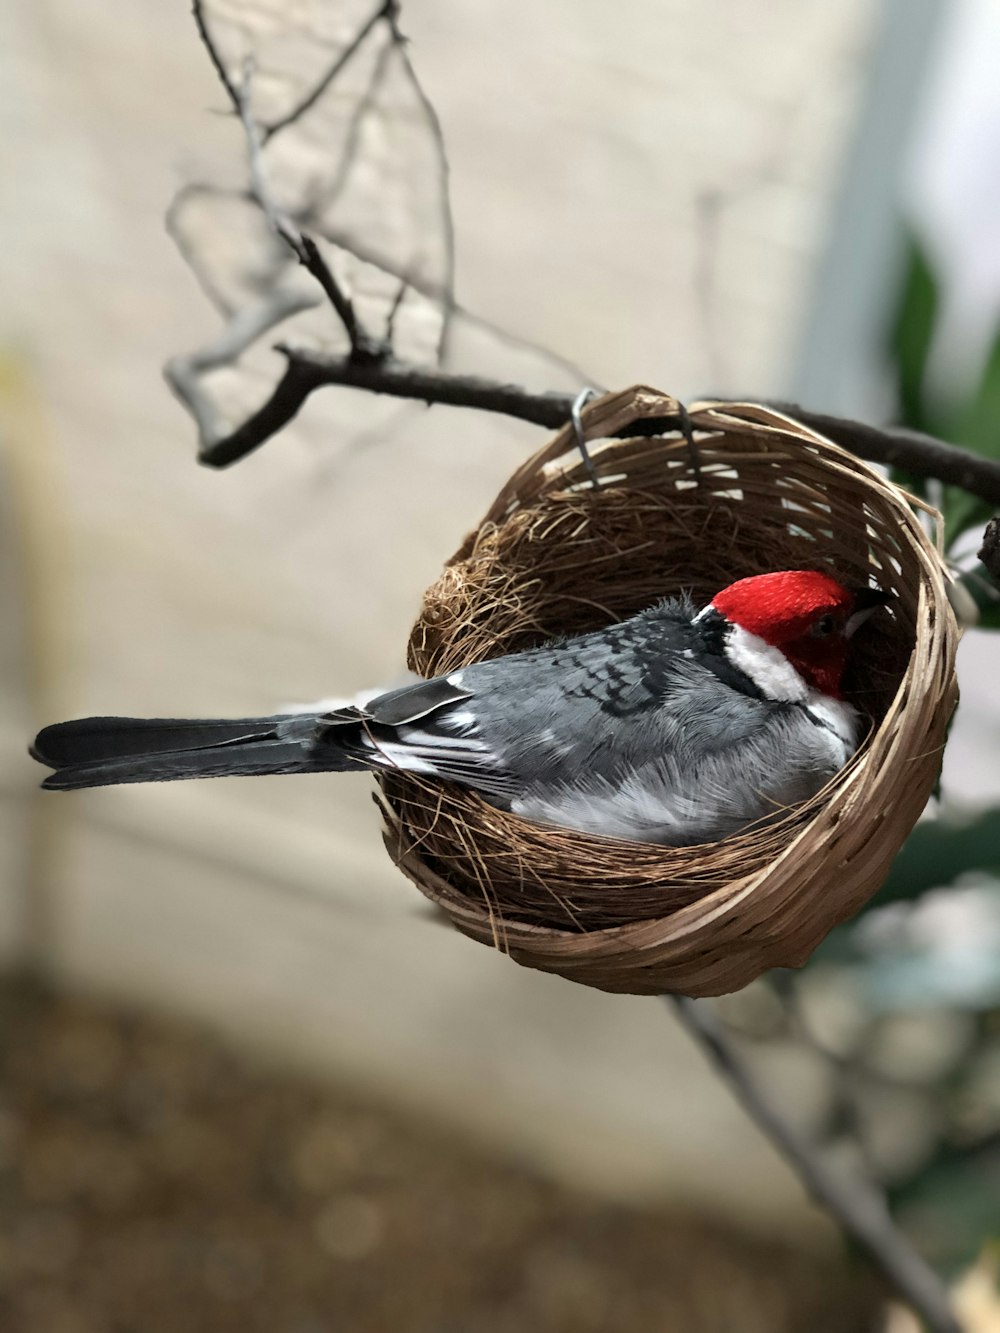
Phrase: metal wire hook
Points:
(579, 402)
(687, 430)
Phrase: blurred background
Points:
(248, 1080)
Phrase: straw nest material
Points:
(556, 555)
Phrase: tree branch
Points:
(444, 186)
(303, 247)
(920, 454)
(370, 365)
(323, 198)
(989, 552)
(858, 1207)
(385, 10)
(362, 250)
(208, 41)
(365, 253)
(308, 371)
(292, 390)
(184, 373)
(896, 446)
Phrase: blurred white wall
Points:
(644, 188)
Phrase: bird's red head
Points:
(808, 615)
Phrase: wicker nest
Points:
(558, 555)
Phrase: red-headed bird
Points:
(676, 726)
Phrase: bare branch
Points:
(399, 379)
(365, 254)
(385, 10)
(368, 254)
(444, 186)
(302, 246)
(291, 392)
(324, 199)
(858, 1206)
(897, 446)
(989, 552)
(370, 365)
(307, 371)
(208, 41)
(188, 252)
(219, 450)
(184, 373)
(920, 454)
(394, 309)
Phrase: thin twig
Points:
(302, 246)
(367, 253)
(444, 185)
(292, 390)
(208, 41)
(371, 367)
(371, 255)
(385, 10)
(184, 374)
(324, 199)
(898, 446)
(173, 222)
(858, 1207)
(307, 371)
(219, 450)
(394, 309)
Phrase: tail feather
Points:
(87, 739)
(102, 751)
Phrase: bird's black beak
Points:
(868, 598)
(866, 601)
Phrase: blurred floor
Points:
(154, 1182)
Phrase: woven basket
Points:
(557, 555)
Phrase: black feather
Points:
(102, 751)
(411, 702)
(88, 739)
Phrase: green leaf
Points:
(962, 511)
(978, 426)
(983, 589)
(912, 335)
(937, 852)
(950, 1208)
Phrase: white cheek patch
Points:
(776, 678)
(768, 667)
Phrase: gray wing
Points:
(622, 733)
(507, 725)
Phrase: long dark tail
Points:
(101, 751)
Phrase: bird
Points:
(676, 726)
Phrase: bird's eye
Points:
(824, 627)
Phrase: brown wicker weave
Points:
(555, 555)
